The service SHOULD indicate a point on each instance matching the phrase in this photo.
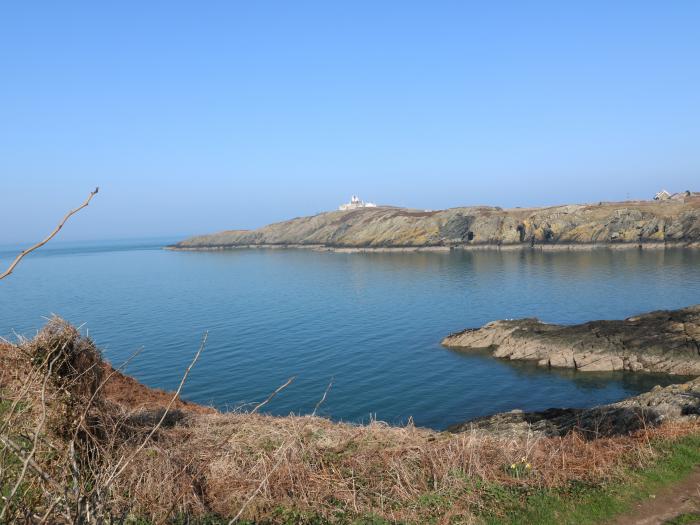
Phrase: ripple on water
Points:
(372, 322)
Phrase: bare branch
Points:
(49, 237)
(323, 398)
(119, 469)
(49, 510)
(269, 398)
(281, 451)
(35, 443)
(99, 388)
(18, 451)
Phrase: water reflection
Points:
(593, 380)
(373, 321)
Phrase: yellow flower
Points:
(528, 466)
(512, 466)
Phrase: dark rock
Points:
(643, 411)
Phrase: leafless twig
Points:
(323, 398)
(282, 451)
(68, 215)
(269, 398)
(119, 469)
(18, 451)
(35, 443)
(99, 388)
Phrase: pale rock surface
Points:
(662, 341)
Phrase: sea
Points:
(362, 328)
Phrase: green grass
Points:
(11, 465)
(5, 405)
(580, 504)
(684, 519)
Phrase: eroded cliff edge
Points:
(663, 341)
(649, 223)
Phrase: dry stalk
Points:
(38, 245)
(35, 442)
(323, 398)
(273, 394)
(119, 469)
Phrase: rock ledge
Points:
(662, 341)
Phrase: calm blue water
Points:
(370, 322)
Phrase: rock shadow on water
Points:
(647, 410)
(660, 397)
(634, 382)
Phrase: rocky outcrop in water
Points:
(650, 409)
(663, 341)
(650, 223)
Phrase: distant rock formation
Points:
(647, 223)
(662, 341)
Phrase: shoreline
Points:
(621, 225)
(562, 247)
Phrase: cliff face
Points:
(663, 341)
(627, 223)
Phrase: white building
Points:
(356, 203)
(662, 196)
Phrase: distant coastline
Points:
(657, 224)
(440, 249)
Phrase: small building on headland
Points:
(356, 203)
(664, 195)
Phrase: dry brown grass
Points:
(316, 465)
(204, 462)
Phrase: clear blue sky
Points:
(200, 116)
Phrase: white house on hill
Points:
(355, 203)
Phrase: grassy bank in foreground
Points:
(581, 504)
(100, 444)
(575, 504)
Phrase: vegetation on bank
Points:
(576, 503)
(675, 457)
(83, 443)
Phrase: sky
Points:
(195, 117)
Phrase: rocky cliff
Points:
(653, 223)
(662, 341)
